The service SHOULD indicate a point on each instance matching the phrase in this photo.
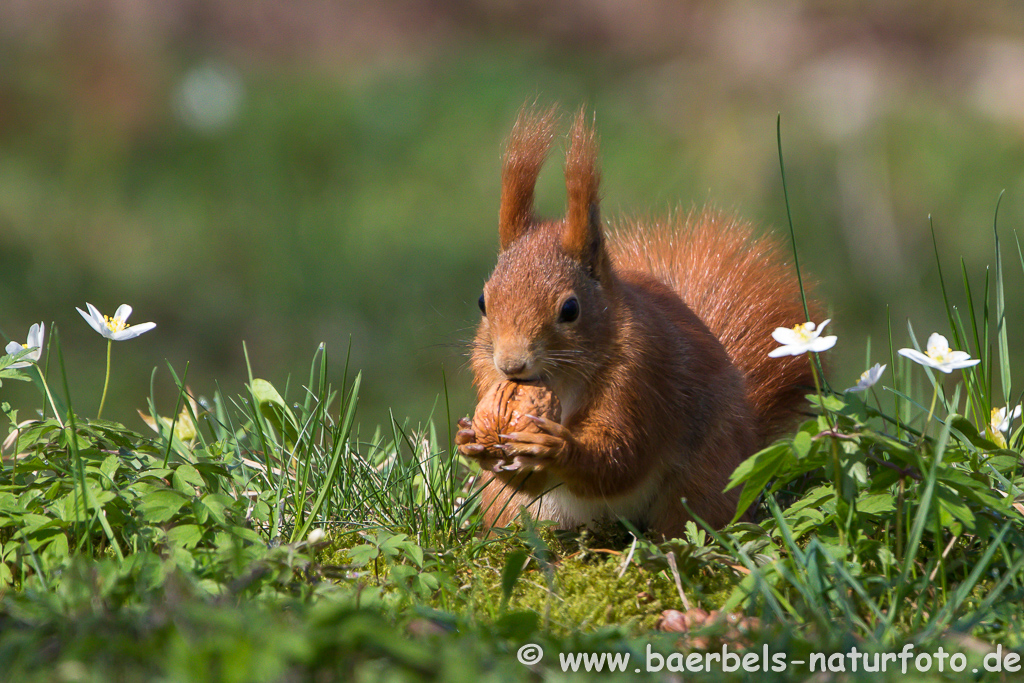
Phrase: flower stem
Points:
(817, 388)
(106, 380)
(814, 373)
(931, 412)
(899, 522)
(53, 405)
(837, 468)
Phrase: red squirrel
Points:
(654, 336)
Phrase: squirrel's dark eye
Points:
(483, 307)
(570, 310)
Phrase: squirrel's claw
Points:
(551, 427)
(523, 462)
(551, 442)
(483, 455)
(529, 450)
(472, 449)
(521, 450)
(536, 450)
(465, 436)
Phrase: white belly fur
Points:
(568, 510)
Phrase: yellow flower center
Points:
(995, 427)
(804, 331)
(115, 324)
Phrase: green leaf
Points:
(802, 444)
(876, 504)
(965, 427)
(157, 473)
(31, 522)
(186, 535)
(954, 505)
(212, 469)
(981, 496)
(392, 545)
(402, 574)
(816, 497)
(858, 471)
(246, 534)
(57, 547)
(882, 479)
(518, 625)
(414, 551)
(42, 537)
(746, 469)
(161, 506)
(213, 505)
(274, 409)
(425, 583)
(804, 521)
(362, 555)
(756, 471)
(94, 499)
(514, 564)
(833, 404)
(186, 477)
(110, 466)
(13, 373)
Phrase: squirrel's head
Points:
(547, 306)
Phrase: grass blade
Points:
(1004, 346)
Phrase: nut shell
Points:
(673, 620)
(504, 408)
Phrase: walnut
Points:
(728, 628)
(504, 408)
(675, 621)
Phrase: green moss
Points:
(581, 588)
(339, 542)
(577, 587)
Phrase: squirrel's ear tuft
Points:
(582, 237)
(525, 154)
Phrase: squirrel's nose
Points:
(512, 367)
(514, 364)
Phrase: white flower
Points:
(315, 536)
(801, 339)
(115, 328)
(938, 355)
(1000, 421)
(869, 377)
(34, 343)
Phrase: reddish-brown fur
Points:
(742, 287)
(664, 378)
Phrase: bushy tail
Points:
(742, 286)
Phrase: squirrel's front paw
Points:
(465, 439)
(536, 450)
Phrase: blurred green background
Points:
(286, 172)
